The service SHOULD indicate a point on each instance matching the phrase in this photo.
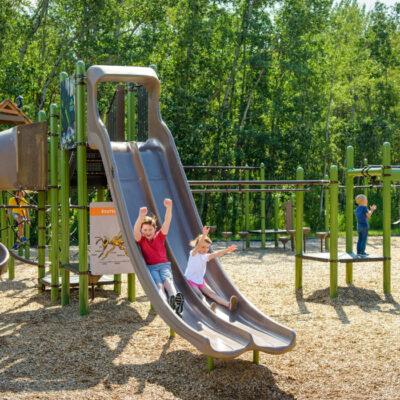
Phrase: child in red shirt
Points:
(152, 244)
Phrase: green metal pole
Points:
(327, 211)
(299, 232)
(65, 215)
(131, 113)
(54, 254)
(11, 238)
(263, 196)
(247, 208)
(172, 333)
(210, 363)
(41, 226)
(256, 357)
(349, 211)
(130, 135)
(3, 219)
(276, 217)
(334, 190)
(27, 234)
(82, 190)
(386, 182)
(365, 180)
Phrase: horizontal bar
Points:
(219, 167)
(365, 172)
(16, 206)
(370, 186)
(229, 190)
(256, 183)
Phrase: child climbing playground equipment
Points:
(140, 174)
(387, 174)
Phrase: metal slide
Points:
(143, 174)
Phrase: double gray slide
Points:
(143, 174)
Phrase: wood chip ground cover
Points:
(348, 348)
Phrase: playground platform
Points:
(342, 257)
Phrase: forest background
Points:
(286, 83)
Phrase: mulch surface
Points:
(347, 348)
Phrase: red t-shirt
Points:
(154, 251)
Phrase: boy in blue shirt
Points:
(363, 214)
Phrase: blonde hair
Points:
(195, 242)
(360, 197)
(148, 220)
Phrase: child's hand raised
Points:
(231, 249)
(373, 207)
(167, 203)
(206, 230)
(143, 211)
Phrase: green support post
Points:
(65, 215)
(276, 218)
(327, 211)
(210, 363)
(299, 232)
(263, 195)
(247, 208)
(130, 136)
(27, 234)
(365, 180)
(41, 226)
(256, 357)
(131, 113)
(386, 186)
(54, 253)
(82, 190)
(334, 191)
(9, 235)
(3, 219)
(349, 211)
(172, 333)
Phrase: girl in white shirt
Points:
(197, 265)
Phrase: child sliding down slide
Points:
(196, 269)
(152, 244)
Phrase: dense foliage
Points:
(287, 83)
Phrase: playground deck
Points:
(342, 257)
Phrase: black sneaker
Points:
(172, 302)
(179, 300)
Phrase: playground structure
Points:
(144, 173)
(140, 174)
(387, 173)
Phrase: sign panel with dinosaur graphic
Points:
(107, 248)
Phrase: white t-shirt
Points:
(196, 268)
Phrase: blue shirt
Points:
(361, 215)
